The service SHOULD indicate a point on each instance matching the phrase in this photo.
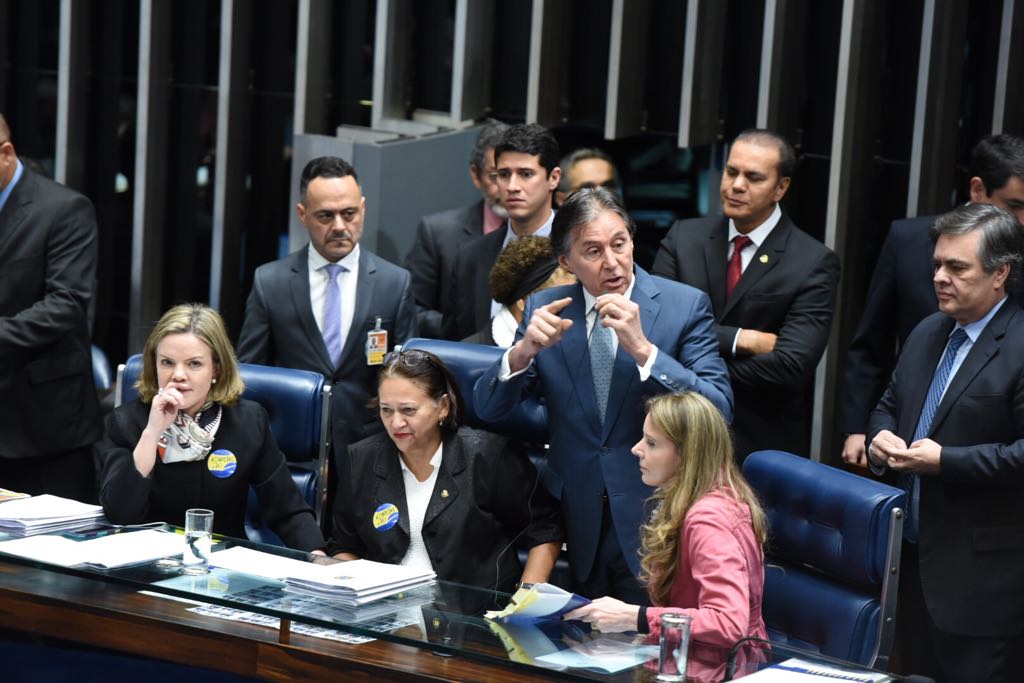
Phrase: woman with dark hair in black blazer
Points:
(428, 493)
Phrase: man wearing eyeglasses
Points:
(526, 159)
(48, 251)
(331, 307)
(586, 167)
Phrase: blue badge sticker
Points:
(385, 517)
(221, 463)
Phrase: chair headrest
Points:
(102, 375)
(836, 521)
(293, 400)
(529, 420)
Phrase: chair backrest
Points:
(832, 565)
(102, 375)
(298, 405)
(527, 422)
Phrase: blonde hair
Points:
(704, 446)
(207, 325)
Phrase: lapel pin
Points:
(764, 258)
(444, 493)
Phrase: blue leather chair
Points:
(527, 423)
(529, 420)
(298, 404)
(833, 557)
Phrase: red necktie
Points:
(732, 274)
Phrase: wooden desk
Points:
(115, 617)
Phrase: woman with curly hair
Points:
(702, 548)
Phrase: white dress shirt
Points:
(417, 498)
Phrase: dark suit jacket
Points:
(432, 258)
(484, 503)
(130, 498)
(971, 526)
(47, 278)
(788, 289)
(901, 295)
(280, 330)
(587, 459)
(468, 307)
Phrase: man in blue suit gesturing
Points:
(596, 351)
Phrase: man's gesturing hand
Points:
(545, 329)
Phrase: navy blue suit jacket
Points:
(585, 459)
(971, 527)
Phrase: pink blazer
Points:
(720, 580)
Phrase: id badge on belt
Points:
(376, 344)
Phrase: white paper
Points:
(115, 550)
(602, 653)
(801, 671)
(46, 507)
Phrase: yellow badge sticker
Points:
(221, 463)
(385, 517)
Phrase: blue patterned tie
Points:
(332, 312)
(602, 362)
(909, 481)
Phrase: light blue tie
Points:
(602, 362)
(910, 481)
(332, 312)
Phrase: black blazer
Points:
(487, 500)
(129, 498)
(901, 295)
(280, 330)
(432, 258)
(48, 257)
(971, 527)
(468, 308)
(788, 289)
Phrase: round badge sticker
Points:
(222, 463)
(385, 517)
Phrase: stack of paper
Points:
(46, 513)
(107, 552)
(540, 601)
(352, 583)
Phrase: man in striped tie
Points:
(951, 425)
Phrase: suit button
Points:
(664, 377)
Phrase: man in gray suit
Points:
(330, 307)
(50, 416)
(439, 235)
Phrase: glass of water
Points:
(674, 647)
(198, 532)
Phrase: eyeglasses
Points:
(408, 358)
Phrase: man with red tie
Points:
(772, 287)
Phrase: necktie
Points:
(332, 312)
(602, 361)
(909, 481)
(735, 270)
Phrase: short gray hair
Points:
(582, 207)
(1002, 238)
(487, 139)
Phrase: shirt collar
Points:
(975, 329)
(759, 234)
(18, 170)
(350, 262)
(435, 460)
(589, 299)
(542, 231)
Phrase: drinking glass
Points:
(198, 532)
(674, 647)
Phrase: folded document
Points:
(540, 601)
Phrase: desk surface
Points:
(105, 609)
